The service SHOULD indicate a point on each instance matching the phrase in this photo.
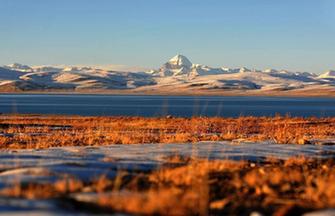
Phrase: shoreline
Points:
(302, 93)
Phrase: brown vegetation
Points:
(201, 187)
(54, 131)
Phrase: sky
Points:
(297, 35)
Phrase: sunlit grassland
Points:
(56, 131)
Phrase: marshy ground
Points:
(207, 166)
(22, 132)
(175, 186)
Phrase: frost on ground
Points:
(104, 179)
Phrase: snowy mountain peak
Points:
(270, 70)
(176, 66)
(328, 74)
(71, 69)
(180, 61)
(244, 70)
(19, 67)
(178, 72)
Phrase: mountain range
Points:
(177, 76)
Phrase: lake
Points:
(184, 106)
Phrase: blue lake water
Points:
(186, 106)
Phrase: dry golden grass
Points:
(201, 187)
(234, 188)
(193, 187)
(54, 131)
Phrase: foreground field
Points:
(168, 180)
(208, 166)
(21, 132)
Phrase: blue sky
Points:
(290, 34)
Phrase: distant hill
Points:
(178, 74)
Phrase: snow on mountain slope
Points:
(46, 80)
(180, 65)
(42, 77)
(240, 80)
(97, 78)
(46, 69)
(200, 70)
(8, 74)
(19, 67)
(179, 61)
(328, 74)
(177, 73)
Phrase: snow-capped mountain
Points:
(19, 67)
(329, 74)
(179, 61)
(177, 75)
(46, 69)
(69, 78)
(180, 65)
(180, 73)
